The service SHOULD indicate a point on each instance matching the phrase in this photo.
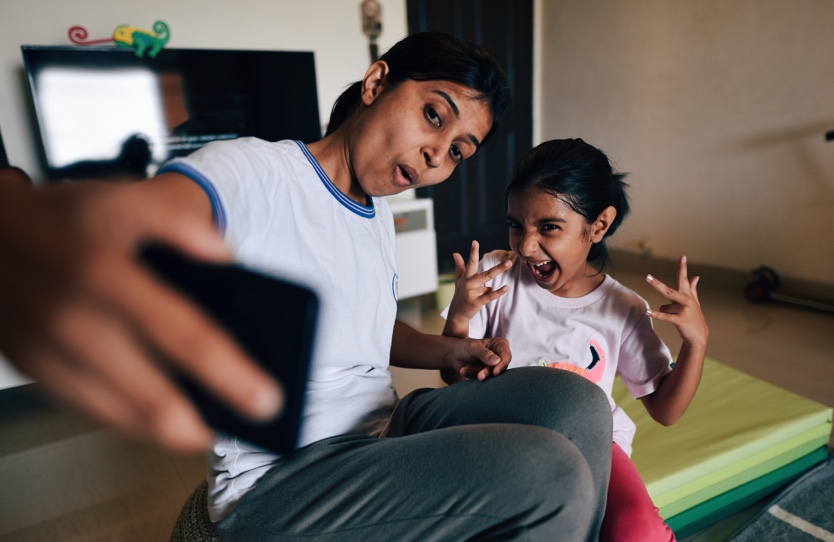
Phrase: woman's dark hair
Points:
(580, 175)
(433, 56)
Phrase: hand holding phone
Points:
(273, 320)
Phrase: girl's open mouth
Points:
(542, 271)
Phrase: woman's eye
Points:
(456, 154)
(550, 227)
(512, 225)
(432, 115)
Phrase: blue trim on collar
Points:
(365, 211)
(216, 205)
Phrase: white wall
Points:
(329, 28)
(718, 109)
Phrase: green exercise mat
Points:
(724, 479)
(737, 430)
(737, 499)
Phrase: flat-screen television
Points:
(104, 112)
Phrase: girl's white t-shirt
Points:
(598, 335)
(281, 215)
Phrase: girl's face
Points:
(553, 241)
(414, 135)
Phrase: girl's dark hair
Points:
(434, 56)
(580, 175)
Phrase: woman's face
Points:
(414, 135)
(552, 241)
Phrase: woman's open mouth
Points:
(542, 270)
(405, 176)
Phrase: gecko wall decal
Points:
(144, 41)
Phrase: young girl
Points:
(313, 213)
(550, 299)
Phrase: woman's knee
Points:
(545, 471)
(568, 397)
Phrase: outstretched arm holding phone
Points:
(82, 317)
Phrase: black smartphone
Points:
(273, 320)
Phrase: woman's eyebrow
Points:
(456, 111)
(449, 99)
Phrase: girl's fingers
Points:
(474, 258)
(683, 280)
(694, 287)
(495, 271)
(492, 295)
(655, 315)
(662, 316)
(669, 293)
(460, 267)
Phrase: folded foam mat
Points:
(719, 481)
(740, 497)
(737, 432)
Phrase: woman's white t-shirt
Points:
(281, 215)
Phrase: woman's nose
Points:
(433, 156)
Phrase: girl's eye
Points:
(512, 225)
(550, 227)
(456, 154)
(432, 115)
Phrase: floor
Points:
(61, 478)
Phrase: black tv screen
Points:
(104, 112)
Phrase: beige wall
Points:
(329, 28)
(718, 109)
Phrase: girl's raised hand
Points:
(684, 311)
(471, 290)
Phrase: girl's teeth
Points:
(543, 269)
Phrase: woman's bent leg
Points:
(524, 456)
(538, 396)
(477, 482)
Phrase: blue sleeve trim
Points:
(217, 210)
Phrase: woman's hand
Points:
(480, 358)
(81, 315)
(471, 358)
(471, 291)
(684, 311)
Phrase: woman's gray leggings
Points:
(524, 456)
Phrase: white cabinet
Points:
(416, 246)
